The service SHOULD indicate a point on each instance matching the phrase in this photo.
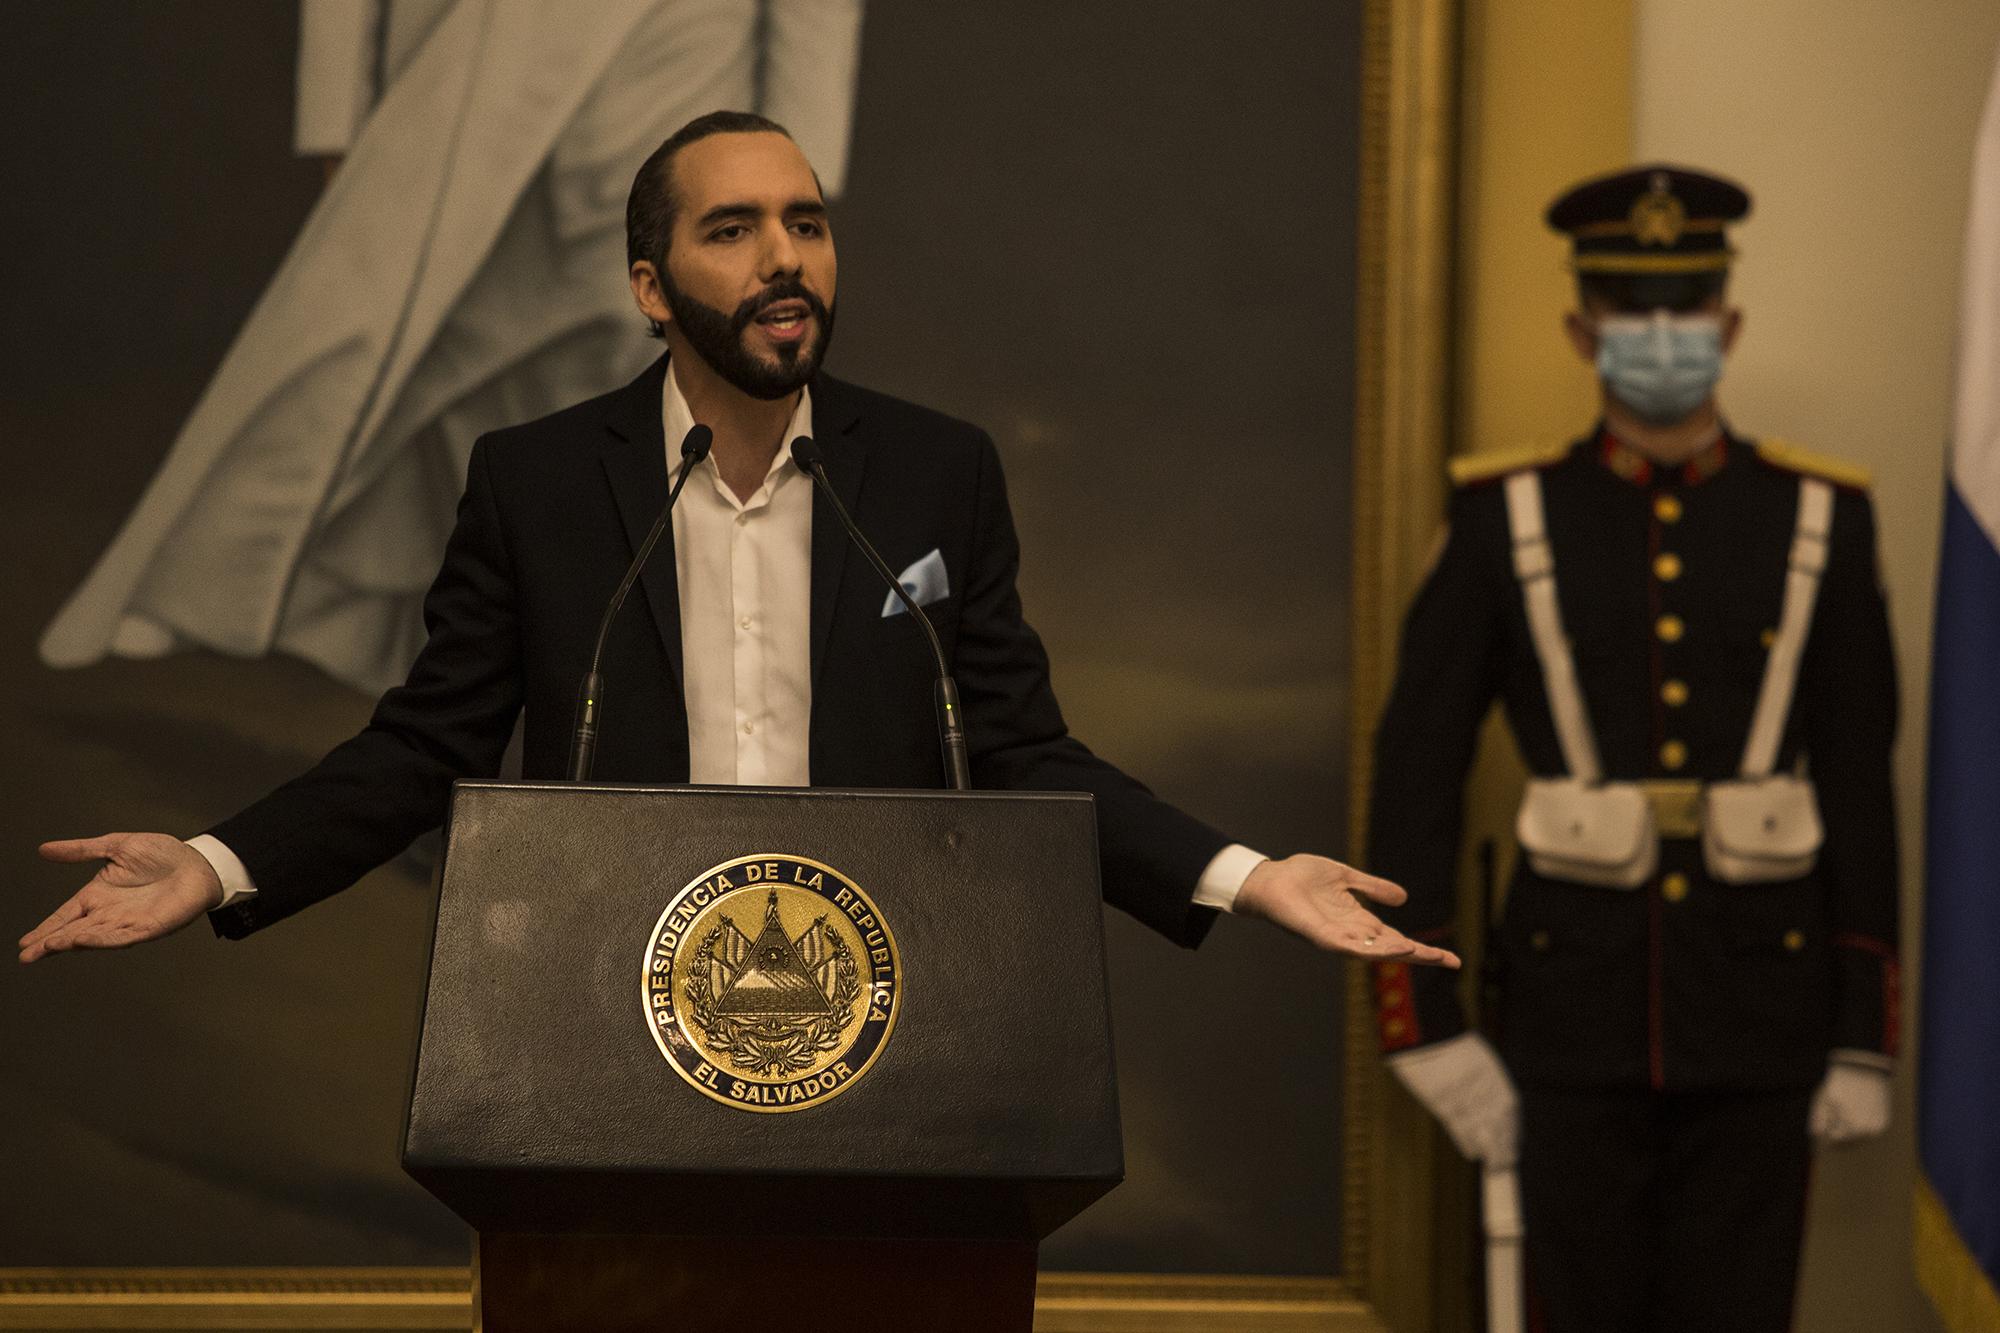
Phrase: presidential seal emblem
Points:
(771, 982)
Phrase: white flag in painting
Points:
(464, 271)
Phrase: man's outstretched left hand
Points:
(1322, 901)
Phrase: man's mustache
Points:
(788, 289)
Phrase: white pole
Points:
(1500, 1199)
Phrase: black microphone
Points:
(951, 725)
(583, 741)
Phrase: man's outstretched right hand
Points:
(150, 885)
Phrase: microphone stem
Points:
(951, 734)
(951, 720)
(583, 740)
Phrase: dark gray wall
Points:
(1119, 235)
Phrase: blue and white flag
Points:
(1958, 1196)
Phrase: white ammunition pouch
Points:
(1759, 827)
(1754, 830)
(1601, 833)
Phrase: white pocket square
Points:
(925, 581)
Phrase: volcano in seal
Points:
(774, 980)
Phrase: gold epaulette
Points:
(1797, 458)
(1487, 464)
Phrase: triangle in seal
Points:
(773, 979)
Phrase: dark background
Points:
(1118, 235)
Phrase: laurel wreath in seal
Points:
(771, 1047)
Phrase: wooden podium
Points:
(697, 1057)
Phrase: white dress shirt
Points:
(745, 574)
(745, 570)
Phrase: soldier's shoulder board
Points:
(1487, 464)
(1797, 458)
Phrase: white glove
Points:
(1462, 1082)
(1853, 1099)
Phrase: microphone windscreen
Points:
(695, 447)
(805, 453)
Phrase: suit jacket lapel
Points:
(636, 466)
(834, 417)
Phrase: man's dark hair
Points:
(1639, 292)
(653, 203)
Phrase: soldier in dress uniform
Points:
(1698, 952)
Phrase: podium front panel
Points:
(542, 1100)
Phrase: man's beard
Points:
(717, 338)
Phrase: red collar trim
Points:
(1635, 467)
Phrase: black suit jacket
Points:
(552, 514)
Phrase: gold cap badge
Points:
(1658, 216)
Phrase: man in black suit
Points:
(762, 652)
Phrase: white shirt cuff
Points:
(1849, 1055)
(1223, 878)
(236, 881)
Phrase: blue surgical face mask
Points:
(1662, 366)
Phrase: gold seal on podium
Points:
(771, 982)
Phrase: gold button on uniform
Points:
(1666, 566)
(1669, 628)
(1768, 637)
(1667, 508)
(1673, 754)
(1795, 940)
(1674, 887)
(1539, 941)
(1674, 692)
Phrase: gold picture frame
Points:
(441, 1298)
(1394, 1176)
(1403, 1191)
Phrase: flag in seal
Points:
(771, 982)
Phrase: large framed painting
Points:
(272, 272)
